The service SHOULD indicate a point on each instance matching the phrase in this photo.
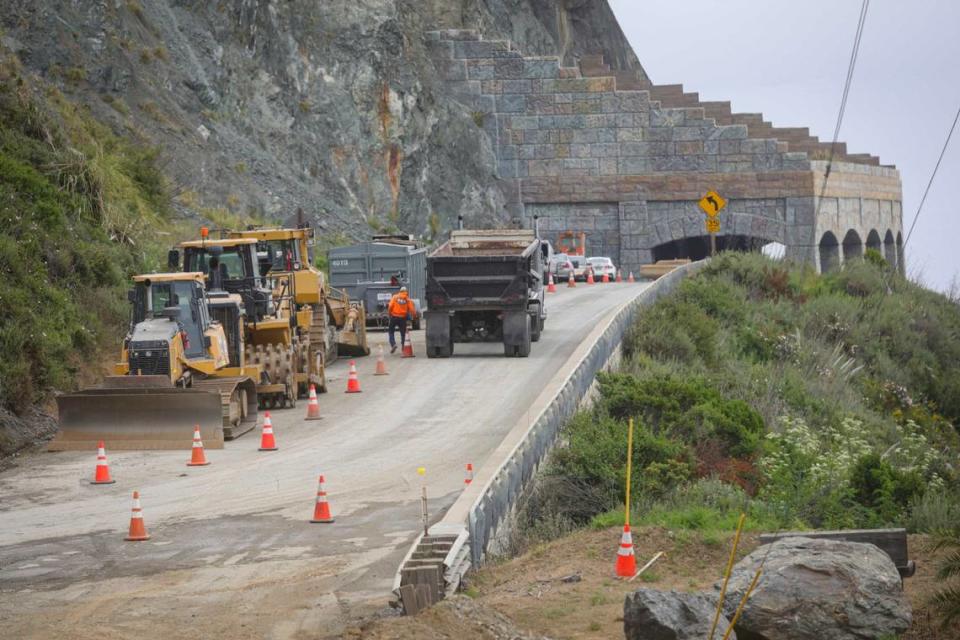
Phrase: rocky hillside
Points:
(263, 107)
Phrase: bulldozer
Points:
(182, 364)
(277, 333)
(337, 323)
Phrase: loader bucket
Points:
(132, 418)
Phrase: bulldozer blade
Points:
(133, 416)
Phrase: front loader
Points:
(182, 364)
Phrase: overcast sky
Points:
(788, 59)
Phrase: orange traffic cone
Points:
(619, 275)
(590, 279)
(267, 441)
(551, 286)
(605, 279)
(197, 458)
(571, 283)
(313, 407)
(630, 278)
(469, 477)
(626, 561)
(321, 511)
(381, 363)
(138, 531)
(353, 383)
(102, 474)
(408, 348)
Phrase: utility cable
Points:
(933, 175)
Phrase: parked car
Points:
(579, 267)
(602, 266)
(562, 270)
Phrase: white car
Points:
(602, 266)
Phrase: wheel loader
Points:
(182, 364)
(277, 333)
(338, 323)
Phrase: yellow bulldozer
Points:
(182, 364)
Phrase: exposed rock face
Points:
(670, 615)
(819, 590)
(265, 107)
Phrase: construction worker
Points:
(400, 308)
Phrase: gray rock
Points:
(819, 590)
(670, 615)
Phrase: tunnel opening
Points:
(852, 246)
(829, 253)
(698, 247)
(889, 248)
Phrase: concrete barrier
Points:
(482, 510)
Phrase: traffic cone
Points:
(630, 278)
(408, 348)
(102, 474)
(353, 383)
(605, 279)
(626, 561)
(138, 531)
(619, 275)
(571, 283)
(590, 279)
(197, 458)
(267, 441)
(551, 286)
(321, 511)
(381, 363)
(469, 477)
(313, 407)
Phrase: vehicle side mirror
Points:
(173, 260)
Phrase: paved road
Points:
(232, 553)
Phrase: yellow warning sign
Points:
(713, 224)
(712, 203)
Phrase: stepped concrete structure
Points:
(608, 153)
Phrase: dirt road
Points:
(232, 553)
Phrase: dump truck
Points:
(338, 322)
(277, 336)
(486, 286)
(374, 271)
(181, 364)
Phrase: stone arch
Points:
(873, 241)
(829, 253)
(901, 263)
(852, 246)
(889, 248)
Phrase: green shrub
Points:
(882, 489)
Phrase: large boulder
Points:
(816, 589)
(670, 615)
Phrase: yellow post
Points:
(743, 601)
(726, 575)
(626, 510)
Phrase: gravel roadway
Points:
(232, 553)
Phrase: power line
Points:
(933, 175)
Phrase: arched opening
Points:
(698, 247)
(829, 253)
(889, 248)
(852, 246)
(901, 263)
(873, 241)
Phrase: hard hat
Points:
(403, 289)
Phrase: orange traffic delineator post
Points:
(606, 278)
(408, 348)
(102, 474)
(353, 382)
(630, 278)
(551, 285)
(469, 477)
(138, 531)
(198, 458)
(381, 363)
(313, 406)
(626, 561)
(267, 441)
(321, 511)
(571, 281)
(590, 279)
(619, 275)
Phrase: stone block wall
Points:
(576, 145)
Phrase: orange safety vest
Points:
(401, 306)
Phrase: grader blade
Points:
(138, 417)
